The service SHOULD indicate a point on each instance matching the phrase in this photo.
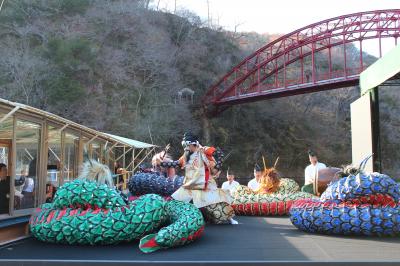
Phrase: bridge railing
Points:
(279, 84)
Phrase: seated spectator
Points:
(28, 189)
(310, 172)
(254, 184)
(231, 184)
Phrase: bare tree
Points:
(23, 69)
(1, 5)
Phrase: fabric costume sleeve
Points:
(173, 164)
(212, 154)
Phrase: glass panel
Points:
(27, 148)
(118, 164)
(70, 163)
(53, 162)
(111, 160)
(6, 128)
(128, 159)
(96, 151)
(119, 151)
(4, 151)
(86, 148)
(104, 156)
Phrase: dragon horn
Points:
(276, 162)
(265, 166)
(364, 163)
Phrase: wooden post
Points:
(123, 158)
(43, 159)
(61, 177)
(133, 159)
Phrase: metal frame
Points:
(76, 133)
(123, 154)
(9, 114)
(263, 74)
(40, 114)
(149, 152)
(39, 167)
(44, 120)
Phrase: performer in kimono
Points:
(202, 164)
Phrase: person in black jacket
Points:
(5, 181)
(4, 189)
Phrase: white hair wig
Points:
(93, 170)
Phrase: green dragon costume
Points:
(87, 212)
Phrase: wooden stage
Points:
(255, 241)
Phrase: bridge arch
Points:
(288, 65)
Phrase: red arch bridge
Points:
(317, 57)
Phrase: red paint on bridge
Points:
(288, 65)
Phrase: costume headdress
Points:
(269, 182)
(93, 170)
(188, 139)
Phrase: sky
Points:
(274, 16)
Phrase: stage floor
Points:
(255, 239)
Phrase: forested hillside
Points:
(118, 66)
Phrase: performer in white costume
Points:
(202, 164)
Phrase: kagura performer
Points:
(202, 164)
